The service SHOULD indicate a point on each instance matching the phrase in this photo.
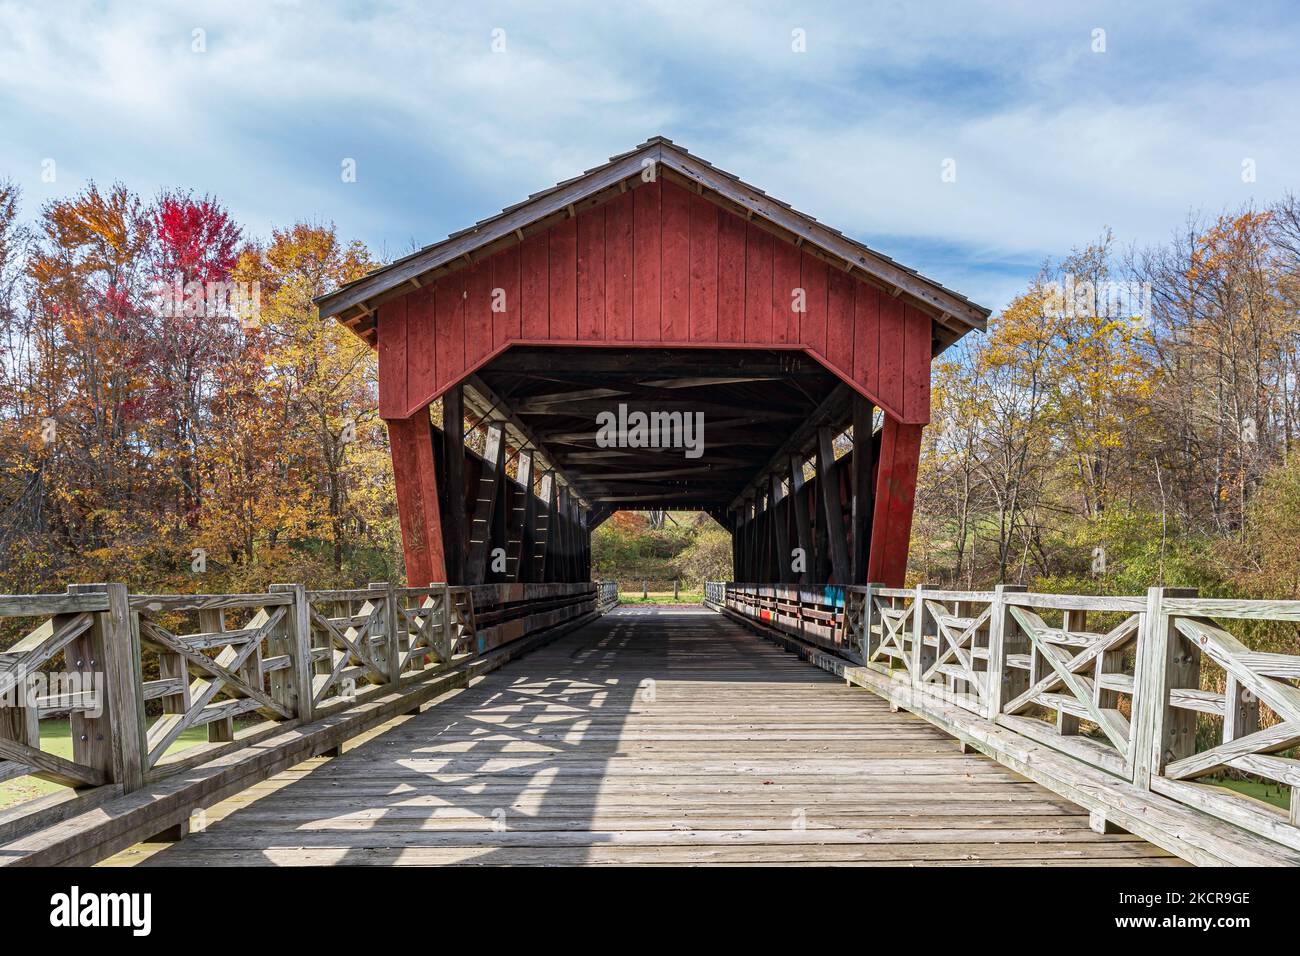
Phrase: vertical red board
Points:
(449, 321)
(420, 347)
(392, 359)
(866, 338)
(564, 281)
(812, 325)
(787, 282)
(417, 497)
(645, 266)
(591, 274)
(916, 366)
(890, 387)
(891, 525)
(534, 286)
(839, 320)
(410, 512)
(758, 285)
(478, 312)
(704, 270)
(731, 278)
(505, 277)
(675, 266)
(618, 268)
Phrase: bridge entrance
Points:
(789, 364)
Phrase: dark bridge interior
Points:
(755, 406)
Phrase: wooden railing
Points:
(606, 594)
(139, 676)
(1153, 691)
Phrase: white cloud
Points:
(1052, 142)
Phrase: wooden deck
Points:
(652, 737)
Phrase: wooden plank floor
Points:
(652, 737)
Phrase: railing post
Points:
(1163, 657)
(392, 653)
(299, 647)
(114, 741)
(1001, 628)
(448, 642)
(869, 619)
(922, 656)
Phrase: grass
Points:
(661, 597)
(1279, 795)
(56, 738)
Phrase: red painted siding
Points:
(656, 265)
(891, 526)
(618, 269)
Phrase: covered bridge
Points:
(654, 290)
(655, 283)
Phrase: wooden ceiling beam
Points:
(836, 408)
(489, 406)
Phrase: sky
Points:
(969, 141)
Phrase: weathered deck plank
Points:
(653, 737)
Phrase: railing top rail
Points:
(1075, 602)
(347, 594)
(416, 592)
(890, 592)
(206, 602)
(44, 605)
(1233, 608)
(938, 595)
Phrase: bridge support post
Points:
(173, 834)
(483, 531)
(828, 490)
(891, 526)
(923, 626)
(418, 508)
(780, 510)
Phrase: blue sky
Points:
(1052, 142)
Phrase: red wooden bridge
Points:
(654, 333)
(661, 285)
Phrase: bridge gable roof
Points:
(355, 304)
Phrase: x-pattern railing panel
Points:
(891, 638)
(1257, 715)
(21, 753)
(962, 648)
(216, 686)
(427, 627)
(1066, 671)
(346, 644)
